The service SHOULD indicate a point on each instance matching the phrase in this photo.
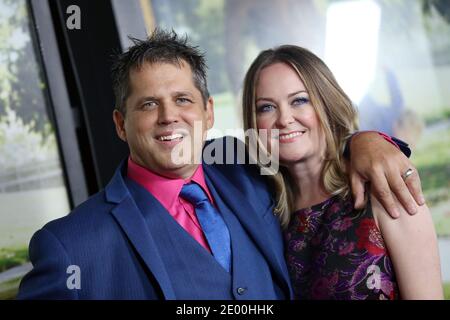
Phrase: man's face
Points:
(162, 109)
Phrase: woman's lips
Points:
(290, 137)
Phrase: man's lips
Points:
(171, 134)
(170, 137)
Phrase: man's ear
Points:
(209, 113)
(119, 121)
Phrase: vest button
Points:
(241, 290)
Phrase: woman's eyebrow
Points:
(295, 93)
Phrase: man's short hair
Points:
(160, 46)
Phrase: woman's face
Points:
(282, 103)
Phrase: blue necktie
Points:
(213, 225)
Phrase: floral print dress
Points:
(336, 252)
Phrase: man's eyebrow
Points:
(182, 93)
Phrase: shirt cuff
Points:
(401, 145)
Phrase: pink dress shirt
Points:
(167, 192)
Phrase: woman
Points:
(333, 251)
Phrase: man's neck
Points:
(183, 172)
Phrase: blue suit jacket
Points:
(107, 238)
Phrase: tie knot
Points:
(193, 193)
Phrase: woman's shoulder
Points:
(405, 220)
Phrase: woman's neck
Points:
(307, 176)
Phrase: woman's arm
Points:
(412, 245)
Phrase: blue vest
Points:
(194, 270)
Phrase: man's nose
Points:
(167, 113)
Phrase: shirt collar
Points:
(165, 190)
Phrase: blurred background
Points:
(58, 145)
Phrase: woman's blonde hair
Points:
(334, 109)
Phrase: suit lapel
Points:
(133, 224)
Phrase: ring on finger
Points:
(407, 173)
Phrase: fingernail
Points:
(421, 200)
(412, 209)
(396, 214)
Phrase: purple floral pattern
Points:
(336, 252)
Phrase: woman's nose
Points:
(285, 117)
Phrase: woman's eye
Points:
(300, 101)
(264, 108)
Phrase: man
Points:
(168, 230)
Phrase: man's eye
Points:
(183, 100)
(300, 101)
(264, 108)
(149, 104)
